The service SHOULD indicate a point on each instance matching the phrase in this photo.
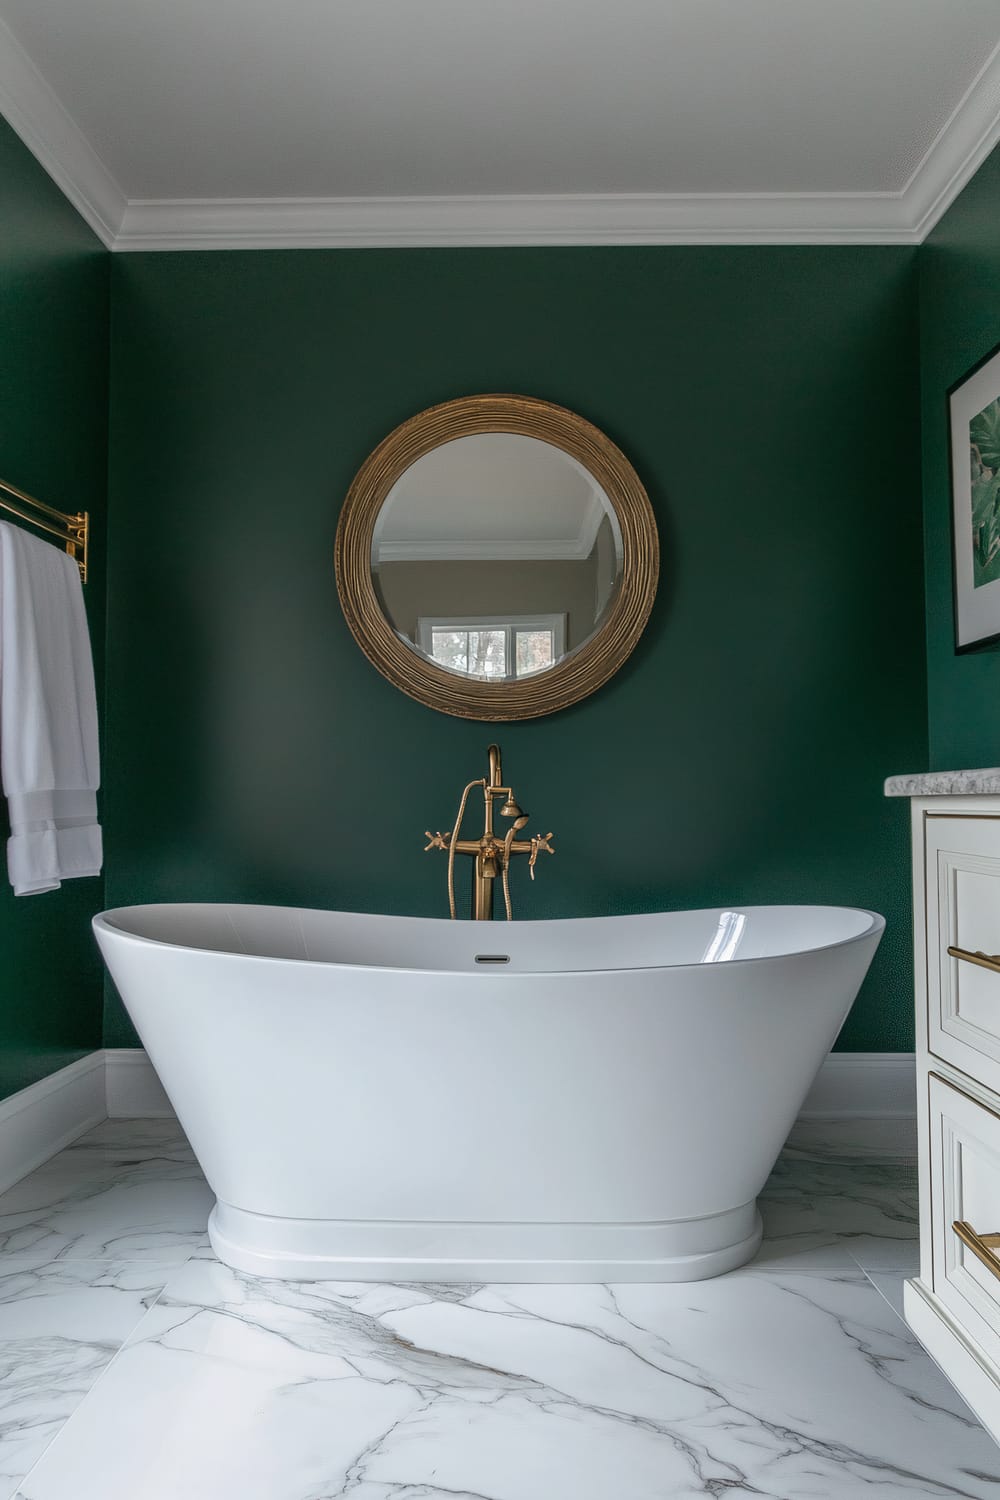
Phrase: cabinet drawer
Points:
(962, 871)
(965, 1190)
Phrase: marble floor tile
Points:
(128, 1193)
(792, 1385)
(778, 1255)
(854, 1140)
(60, 1326)
(866, 1208)
(793, 1378)
(134, 1139)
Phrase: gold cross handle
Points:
(540, 844)
(437, 840)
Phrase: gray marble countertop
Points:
(984, 783)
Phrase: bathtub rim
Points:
(102, 922)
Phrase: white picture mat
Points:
(977, 611)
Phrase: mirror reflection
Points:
(496, 555)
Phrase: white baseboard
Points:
(40, 1120)
(864, 1085)
(121, 1083)
(133, 1091)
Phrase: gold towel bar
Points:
(984, 1246)
(984, 960)
(73, 529)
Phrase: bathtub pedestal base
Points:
(389, 1250)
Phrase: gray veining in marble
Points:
(852, 1140)
(794, 1378)
(983, 783)
(867, 1209)
(780, 1384)
(138, 1197)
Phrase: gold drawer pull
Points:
(984, 960)
(982, 1245)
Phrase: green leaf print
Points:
(984, 435)
(985, 529)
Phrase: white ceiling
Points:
(530, 121)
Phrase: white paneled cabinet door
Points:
(962, 870)
(965, 1212)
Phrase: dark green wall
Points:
(767, 397)
(54, 308)
(960, 322)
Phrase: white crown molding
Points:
(903, 217)
(33, 110)
(961, 146)
(568, 549)
(562, 549)
(561, 219)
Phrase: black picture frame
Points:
(974, 439)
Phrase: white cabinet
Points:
(954, 1304)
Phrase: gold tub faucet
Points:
(493, 851)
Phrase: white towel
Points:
(48, 716)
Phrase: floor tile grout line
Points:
(18, 1492)
(871, 1278)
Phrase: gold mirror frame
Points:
(581, 671)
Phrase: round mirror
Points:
(497, 557)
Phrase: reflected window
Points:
(491, 649)
(726, 939)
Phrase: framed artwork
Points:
(974, 415)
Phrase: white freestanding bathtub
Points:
(400, 1098)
